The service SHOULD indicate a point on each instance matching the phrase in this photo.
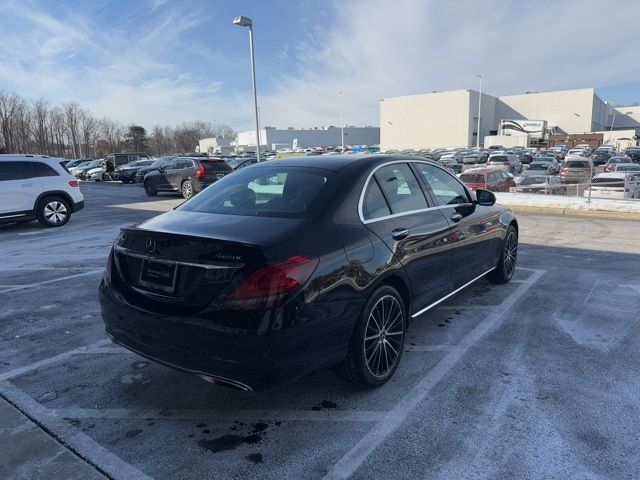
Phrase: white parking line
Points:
(350, 462)
(70, 436)
(429, 348)
(466, 307)
(60, 279)
(50, 360)
(633, 287)
(223, 415)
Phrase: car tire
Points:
(377, 341)
(53, 212)
(124, 180)
(506, 266)
(150, 189)
(186, 189)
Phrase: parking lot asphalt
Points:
(533, 379)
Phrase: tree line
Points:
(68, 130)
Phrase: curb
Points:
(572, 212)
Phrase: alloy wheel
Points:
(187, 189)
(55, 212)
(510, 253)
(383, 336)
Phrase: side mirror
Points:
(485, 197)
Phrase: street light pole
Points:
(341, 123)
(247, 22)
(480, 76)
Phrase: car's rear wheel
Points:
(150, 189)
(53, 212)
(506, 266)
(125, 180)
(186, 189)
(377, 341)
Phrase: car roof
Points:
(29, 157)
(336, 163)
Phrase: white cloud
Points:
(369, 49)
(380, 48)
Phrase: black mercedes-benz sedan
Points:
(288, 267)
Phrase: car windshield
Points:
(539, 166)
(498, 158)
(235, 162)
(271, 192)
(619, 160)
(94, 163)
(533, 180)
(160, 162)
(628, 168)
(577, 165)
(473, 177)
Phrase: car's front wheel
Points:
(53, 212)
(506, 265)
(377, 341)
(186, 189)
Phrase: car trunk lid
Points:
(185, 261)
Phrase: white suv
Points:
(37, 187)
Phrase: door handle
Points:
(455, 217)
(399, 233)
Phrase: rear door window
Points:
(11, 171)
(401, 188)
(446, 189)
(39, 169)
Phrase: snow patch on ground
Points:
(567, 203)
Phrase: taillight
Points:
(74, 183)
(201, 171)
(107, 268)
(564, 170)
(270, 286)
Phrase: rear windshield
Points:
(538, 166)
(577, 165)
(472, 178)
(216, 165)
(608, 182)
(499, 158)
(628, 168)
(270, 192)
(533, 180)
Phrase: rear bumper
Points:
(252, 361)
(77, 206)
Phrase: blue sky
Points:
(164, 62)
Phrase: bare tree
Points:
(88, 132)
(58, 129)
(72, 118)
(36, 127)
(39, 120)
(9, 103)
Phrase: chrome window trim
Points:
(411, 212)
(437, 302)
(126, 251)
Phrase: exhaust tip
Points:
(225, 382)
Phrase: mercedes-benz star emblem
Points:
(150, 245)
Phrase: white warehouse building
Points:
(450, 119)
(273, 138)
